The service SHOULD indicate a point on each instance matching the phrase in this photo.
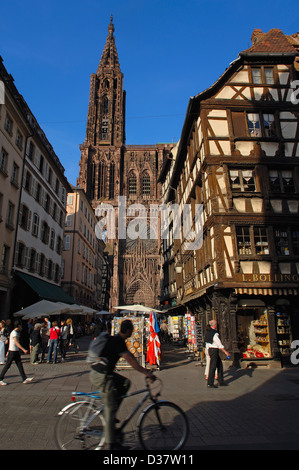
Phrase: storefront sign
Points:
(270, 277)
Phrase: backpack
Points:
(96, 347)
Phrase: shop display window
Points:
(253, 333)
(283, 330)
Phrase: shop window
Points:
(281, 241)
(253, 333)
(243, 241)
(242, 180)
(261, 241)
(252, 240)
(283, 331)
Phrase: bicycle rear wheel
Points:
(162, 426)
(78, 429)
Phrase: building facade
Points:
(84, 263)
(109, 169)
(33, 200)
(237, 160)
(14, 132)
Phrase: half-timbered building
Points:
(238, 160)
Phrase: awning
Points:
(45, 290)
(261, 291)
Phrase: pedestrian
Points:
(35, 343)
(53, 342)
(213, 344)
(164, 331)
(47, 323)
(14, 354)
(9, 328)
(45, 336)
(63, 339)
(208, 360)
(3, 341)
(111, 384)
(70, 335)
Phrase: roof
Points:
(274, 41)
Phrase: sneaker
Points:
(28, 380)
(2, 383)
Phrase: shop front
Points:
(256, 325)
(266, 327)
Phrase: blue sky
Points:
(168, 51)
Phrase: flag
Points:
(154, 346)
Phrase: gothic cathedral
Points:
(109, 169)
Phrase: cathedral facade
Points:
(110, 169)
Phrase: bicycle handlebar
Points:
(156, 381)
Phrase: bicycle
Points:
(160, 425)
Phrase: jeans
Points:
(53, 344)
(112, 387)
(13, 356)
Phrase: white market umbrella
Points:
(136, 308)
(73, 309)
(39, 309)
(103, 312)
(87, 310)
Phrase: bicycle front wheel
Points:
(162, 426)
(80, 428)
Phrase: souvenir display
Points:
(258, 336)
(134, 343)
(283, 330)
(176, 327)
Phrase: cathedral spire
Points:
(109, 57)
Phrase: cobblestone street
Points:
(257, 410)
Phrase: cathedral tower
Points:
(109, 168)
(101, 153)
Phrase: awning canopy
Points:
(137, 308)
(45, 290)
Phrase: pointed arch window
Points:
(146, 185)
(132, 184)
(111, 180)
(105, 103)
(101, 180)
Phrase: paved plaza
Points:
(257, 410)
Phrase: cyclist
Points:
(111, 384)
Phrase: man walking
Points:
(14, 354)
(213, 345)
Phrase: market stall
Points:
(135, 343)
(194, 336)
(176, 327)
